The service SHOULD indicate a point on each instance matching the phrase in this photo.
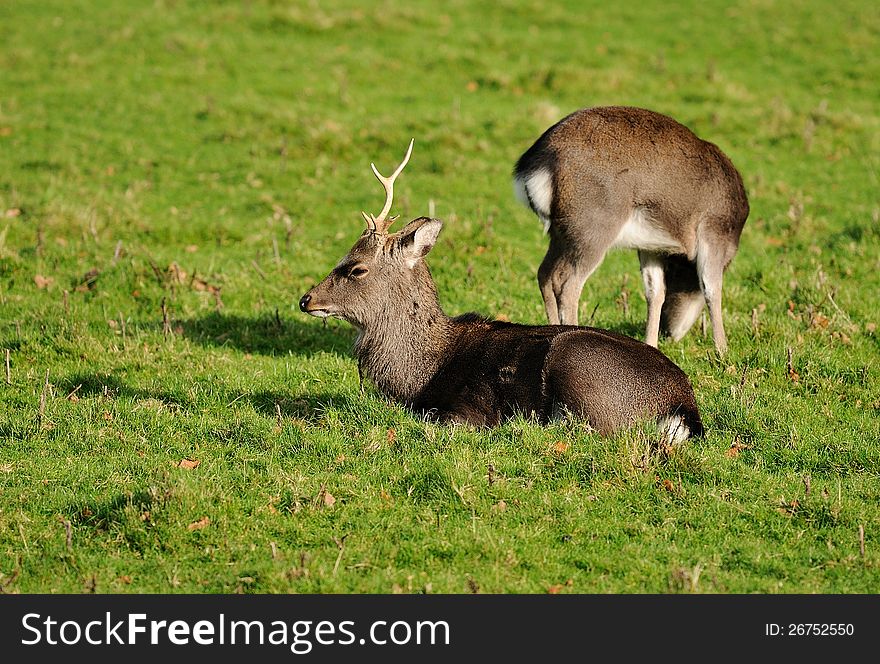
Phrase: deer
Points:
(473, 371)
(624, 177)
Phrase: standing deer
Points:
(627, 177)
(472, 370)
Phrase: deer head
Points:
(383, 274)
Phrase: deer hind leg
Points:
(578, 243)
(562, 275)
(546, 273)
(569, 295)
(655, 293)
(561, 282)
(714, 252)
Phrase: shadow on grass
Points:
(11, 345)
(108, 385)
(15, 431)
(102, 514)
(309, 407)
(268, 335)
(129, 514)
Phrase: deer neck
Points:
(404, 347)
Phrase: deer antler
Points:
(379, 224)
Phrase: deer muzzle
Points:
(309, 305)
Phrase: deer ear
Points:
(418, 237)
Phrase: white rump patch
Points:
(675, 429)
(640, 233)
(535, 191)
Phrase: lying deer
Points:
(627, 177)
(477, 371)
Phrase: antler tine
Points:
(388, 183)
(371, 223)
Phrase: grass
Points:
(212, 158)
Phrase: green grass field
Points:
(212, 159)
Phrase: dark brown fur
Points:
(477, 371)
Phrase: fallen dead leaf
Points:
(391, 436)
(198, 525)
(125, 578)
(175, 273)
(189, 464)
(819, 321)
(560, 447)
(669, 485)
(788, 509)
(43, 282)
(735, 448)
(326, 498)
(202, 285)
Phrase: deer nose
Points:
(304, 301)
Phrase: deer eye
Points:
(358, 271)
